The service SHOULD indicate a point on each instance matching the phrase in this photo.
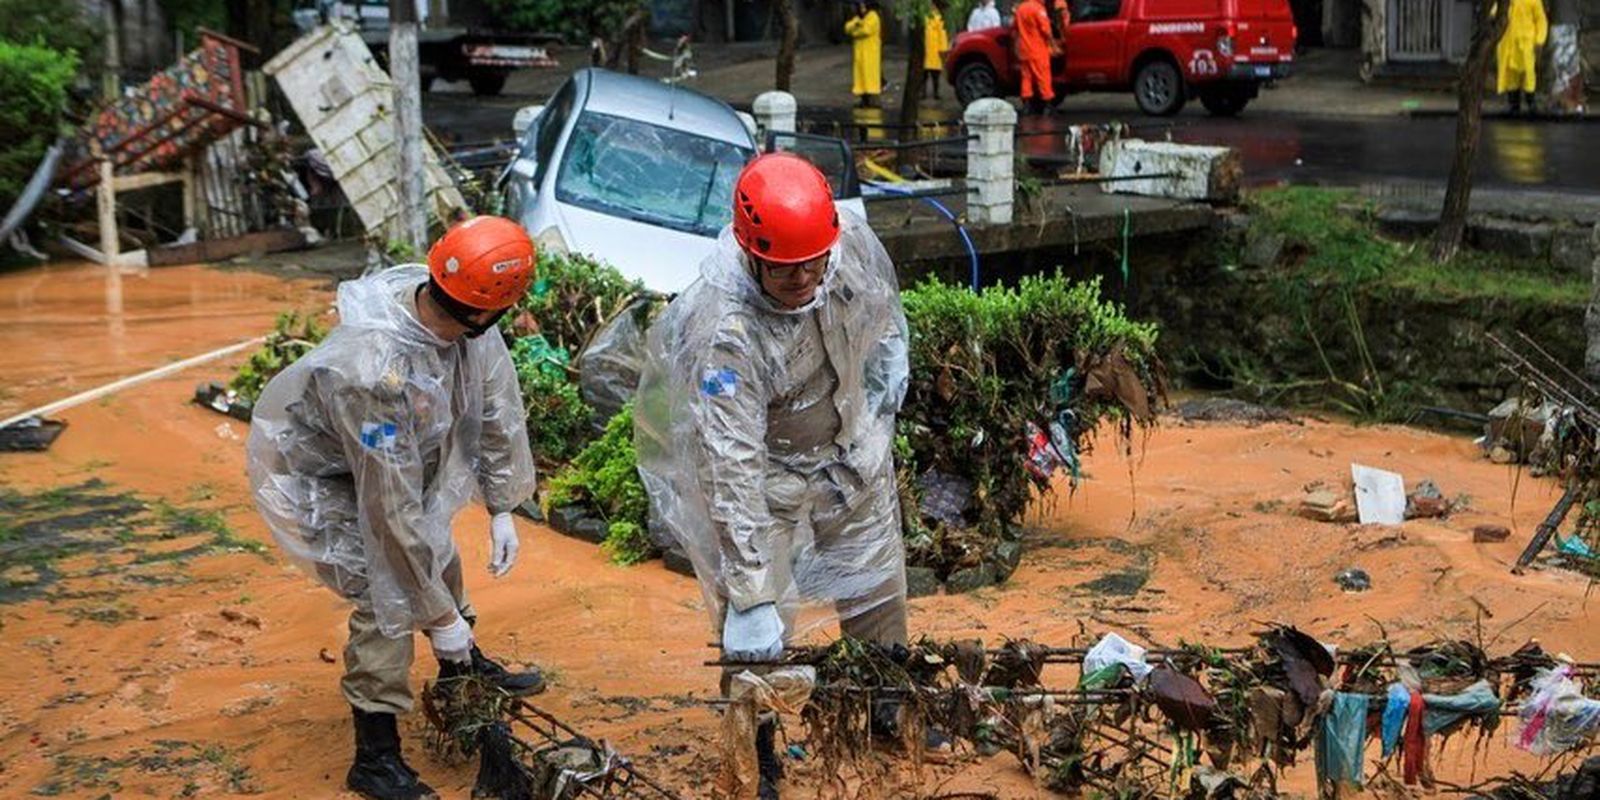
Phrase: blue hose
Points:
(972, 252)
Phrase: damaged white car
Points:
(638, 173)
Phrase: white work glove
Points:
(503, 544)
(452, 642)
(755, 634)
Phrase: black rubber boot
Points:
(516, 683)
(379, 772)
(770, 765)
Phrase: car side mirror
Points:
(524, 119)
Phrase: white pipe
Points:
(134, 380)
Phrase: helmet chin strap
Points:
(463, 313)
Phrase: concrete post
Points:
(991, 181)
(774, 112)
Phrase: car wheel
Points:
(976, 80)
(1158, 88)
(1224, 102)
(487, 85)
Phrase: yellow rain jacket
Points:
(867, 32)
(1518, 51)
(935, 41)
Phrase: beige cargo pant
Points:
(860, 528)
(377, 668)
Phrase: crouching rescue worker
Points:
(362, 452)
(765, 424)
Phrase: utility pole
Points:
(111, 82)
(411, 223)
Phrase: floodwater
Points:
(66, 328)
(219, 675)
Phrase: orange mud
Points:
(171, 696)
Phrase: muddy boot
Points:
(518, 684)
(379, 773)
(770, 766)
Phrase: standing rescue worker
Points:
(983, 17)
(1517, 53)
(765, 423)
(362, 452)
(1032, 24)
(935, 42)
(865, 29)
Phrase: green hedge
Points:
(33, 82)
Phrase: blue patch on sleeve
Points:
(378, 435)
(719, 382)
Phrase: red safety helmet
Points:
(783, 210)
(484, 263)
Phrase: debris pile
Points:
(1555, 427)
(1137, 722)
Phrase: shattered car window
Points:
(651, 174)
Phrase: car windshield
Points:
(647, 173)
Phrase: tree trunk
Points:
(411, 221)
(784, 11)
(913, 88)
(1488, 25)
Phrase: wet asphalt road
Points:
(1295, 149)
(1277, 148)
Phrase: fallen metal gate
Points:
(1416, 30)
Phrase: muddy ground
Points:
(157, 646)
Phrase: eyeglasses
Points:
(785, 271)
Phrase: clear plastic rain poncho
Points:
(362, 452)
(765, 436)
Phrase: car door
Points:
(526, 173)
(1093, 45)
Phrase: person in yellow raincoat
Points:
(866, 30)
(1518, 53)
(935, 42)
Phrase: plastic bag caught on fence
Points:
(1557, 717)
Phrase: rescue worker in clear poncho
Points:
(765, 423)
(362, 452)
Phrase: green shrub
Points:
(33, 83)
(52, 24)
(605, 478)
(576, 20)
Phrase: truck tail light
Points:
(1294, 32)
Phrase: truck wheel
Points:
(487, 85)
(976, 80)
(1224, 102)
(1158, 88)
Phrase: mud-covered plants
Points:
(293, 335)
(1006, 386)
(571, 297)
(558, 419)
